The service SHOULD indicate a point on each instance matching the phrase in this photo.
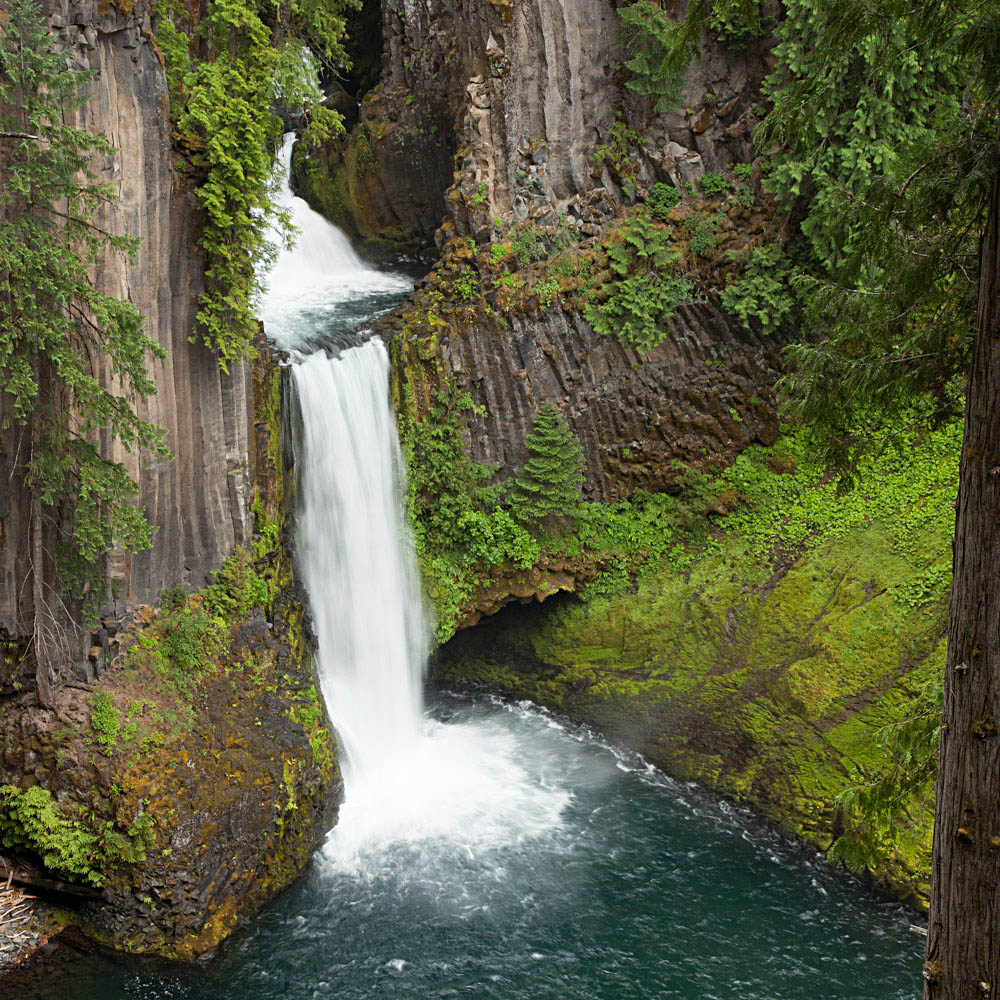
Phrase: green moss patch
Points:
(762, 650)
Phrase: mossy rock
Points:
(765, 682)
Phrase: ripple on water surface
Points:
(562, 871)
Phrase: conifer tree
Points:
(56, 327)
(901, 186)
(548, 487)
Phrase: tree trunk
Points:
(202, 31)
(43, 678)
(963, 945)
(281, 24)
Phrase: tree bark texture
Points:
(40, 641)
(963, 947)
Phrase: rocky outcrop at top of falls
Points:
(495, 118)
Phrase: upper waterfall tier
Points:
(319, 291)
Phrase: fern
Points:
(762, 292)
(647, 292)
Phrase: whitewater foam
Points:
(412, 784)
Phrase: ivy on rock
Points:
(230, 68)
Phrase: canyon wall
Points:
(198, 499)
(496, 117)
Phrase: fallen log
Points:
(23, 874)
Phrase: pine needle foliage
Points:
(887, 114)
(761, 291)
(57, 329)
(660, 49)
(878, 809)
(547, 490)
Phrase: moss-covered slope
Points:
(763, 659)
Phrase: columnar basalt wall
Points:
(702, 395)
(547, 134)
(198, 498)
(525, 91)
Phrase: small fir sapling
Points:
(547, 491)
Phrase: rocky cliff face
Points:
(532, 98)
(191, 751)
(205, 750)
(703, 394)
(199, 499)
(526, 91)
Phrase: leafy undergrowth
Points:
(148, 701)
(767, 634)
(72, 845)
(775, 501)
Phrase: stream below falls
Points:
(488, 849)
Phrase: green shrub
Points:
(617, 154)
(237, 589)
(467, 285)
(443, 482)
(547, 292)
(662, 199)
(32, 821)
(499, 252)
(647, 292)
(191, 640)
(173, 597)
(701, 233)
(763, 291)
(733, 25)
(496, 538)
(104, 720)
(639, 306)
(714, 184)
(527, 245)
(565, 266)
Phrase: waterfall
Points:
(411, 782)
(355, 557)
(356, 560)
(319, 291)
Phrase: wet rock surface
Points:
(228, 760)
(505, 105)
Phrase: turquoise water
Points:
(607, 881)
(505, 854)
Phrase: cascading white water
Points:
(356, 561)
(409, 781)
(320, 286)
